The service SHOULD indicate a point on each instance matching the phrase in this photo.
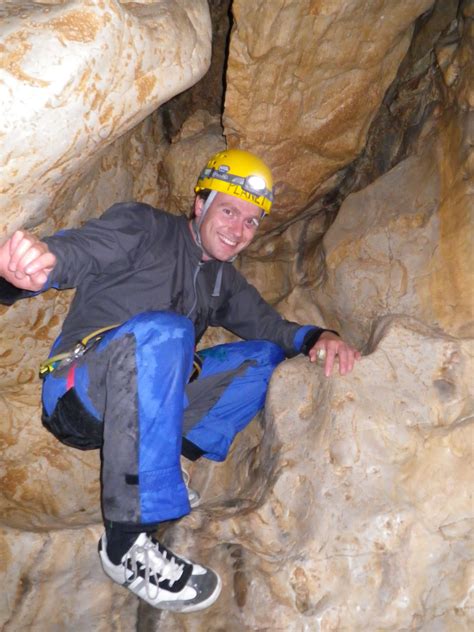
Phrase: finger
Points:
(342, 352)
(315, 351)
(321, 354)
(355, 355)
(15, 240)
(38, 280)
(31, 255)
(350, 359)
(44, 263)
(13, 243)
(330, 357)
(18, 249)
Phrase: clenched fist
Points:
(25, 261)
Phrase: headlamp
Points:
(254, 184)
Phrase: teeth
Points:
(228, 241)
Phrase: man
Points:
(148, 284)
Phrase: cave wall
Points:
(345, 507)
(403, 244)
(75, 77)
(299, 71)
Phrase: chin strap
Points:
(207, 203)
(196, 225)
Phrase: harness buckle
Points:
(196, 370)
(79, 349)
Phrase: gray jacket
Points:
(135, 258)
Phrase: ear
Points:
(198, 205)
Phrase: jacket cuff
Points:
(9, 293)
(311, 338)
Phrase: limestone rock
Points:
(380, 249)
(403, 245)
(346, 507)
(55, 583)
(416, 101)
(208, 93)
(351, 508)
(304, 81)
(43, 484)
(199, 138)
(76, 76)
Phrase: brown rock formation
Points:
(345, 507)
(349, 507)
(305, 80)
(404, 244)
(78, 75)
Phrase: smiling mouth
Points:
(229, 242)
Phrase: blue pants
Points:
(130, 395)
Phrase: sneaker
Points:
(193, 495)
(161, 578)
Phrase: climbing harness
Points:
(197, 366)
(88, 342)
(79, 349)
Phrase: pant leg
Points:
(229, 392)
(133, 382)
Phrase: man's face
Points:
(229, 225)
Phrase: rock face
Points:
(385, 253)
(76, 76)
(44, 485)
(404, 244)
(305, 80)
(59, 585)
(350, 509)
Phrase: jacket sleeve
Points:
(101, 246)
(10, 294)
(248, 315)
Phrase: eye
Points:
(228, 211)
(252, 223)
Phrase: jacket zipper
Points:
(196, 272)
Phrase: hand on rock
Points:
(328, 348)
(25, 261)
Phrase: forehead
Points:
(246, 209)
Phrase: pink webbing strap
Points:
(71, 376)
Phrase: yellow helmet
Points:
(241, 174)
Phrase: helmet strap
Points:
(197, 222)
(207, 203)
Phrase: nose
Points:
(238, 228)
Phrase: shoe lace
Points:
(158, 566)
